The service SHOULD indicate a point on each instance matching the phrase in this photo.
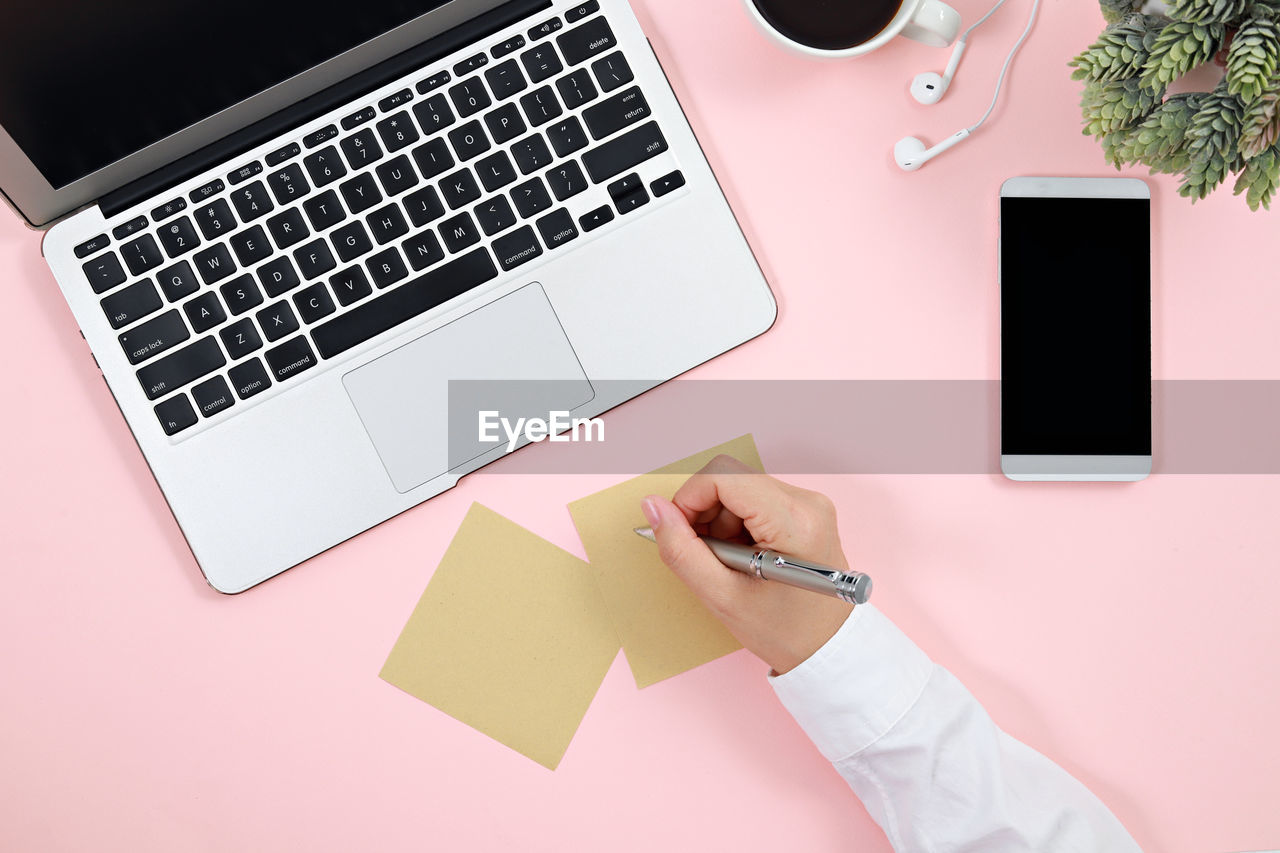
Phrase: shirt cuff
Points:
(857, 686)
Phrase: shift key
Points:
(181, 368)
(625, 153)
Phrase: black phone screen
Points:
(1075, 301)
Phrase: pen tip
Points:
(645, 533)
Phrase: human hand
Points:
(727, 499)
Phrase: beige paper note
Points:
(664, 628)
(511, 637)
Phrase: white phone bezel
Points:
(1026, 468)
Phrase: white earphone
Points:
(929, 87)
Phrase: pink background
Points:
(141, 711)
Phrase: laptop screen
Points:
(84, 84)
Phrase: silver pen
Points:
(853, 587)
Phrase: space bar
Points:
(404, 303)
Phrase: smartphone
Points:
(1075, 329)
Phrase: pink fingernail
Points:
(651, 514)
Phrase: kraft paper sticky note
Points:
(665, 630)
(510, 637)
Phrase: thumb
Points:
(687, 555)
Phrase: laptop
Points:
(288, 229)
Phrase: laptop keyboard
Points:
(348, 233)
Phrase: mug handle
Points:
(934, 23)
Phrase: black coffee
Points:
(829, 24)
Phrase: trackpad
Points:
(422, 403)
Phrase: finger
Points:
(688, 556)
(725, 525)
(763, 503)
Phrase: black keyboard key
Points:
(433, 158)
(632, 201)
(397, 175)
(178, 281)
(241, 294)
(667, 184)
(275, 158)
(325, 166)
(495, 215)
(531, 154)
(206, 192)
(577, 89)
(466, 66)
(567, 136)
(423, 206)
(459, 232)
(518, 247)
(591, 39)
(422, 251)
(387, 224)
(531, 198)
(577, 13)
(131, 304)
(351, 240)
(625, 186)
(511, 45)
(405, 302)
(397, 131)
(245, 172)
(288, 228)
(386, 267)
(314, 259)
(362, 148)
(356, 119)
(321, 136)
(104, 272)
(541, 62)
(613, 72)
(204, 312)
(460, 189)
(169, 208)
(214, 264)
(180, 368)
(179, 237)
(469, 97)
(557, 228)
(241, 338)
(212, 396)
(324, 211)
(215, 219)
(277, 321)
(251, 246)
(434, 114)
(290, 359)
(350, 286)
(541, 106)
(567, 180)
(545, 29)
(496, 171)
(314, 303)
(289, 184)
(142, 255)
(624, 153)
(622, 110)
(89, 247)
(361, 193)
(435, 81)
(154, 337)
(176, 414)
(128, 229)
(597, 218)
(249, 379)
(397, 99)
(506, 80)
(505, 123)
(469, 141)
(252, 201)
(278, 276)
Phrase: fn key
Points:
(176, 414)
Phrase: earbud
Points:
(929, 87)
(911, 153)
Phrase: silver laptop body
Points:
(280, 327)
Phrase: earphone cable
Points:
(1031, 21)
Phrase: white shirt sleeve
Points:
(925, 758)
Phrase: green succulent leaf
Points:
(1252, 59)
(1259, 179)
(1212, 141)
(1180, 47)
(1116, 105)
(1120, 51)
(1208, 11)
(1117, 10)
(1261, 123)
(1160, 141)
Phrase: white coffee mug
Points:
(930, 22)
